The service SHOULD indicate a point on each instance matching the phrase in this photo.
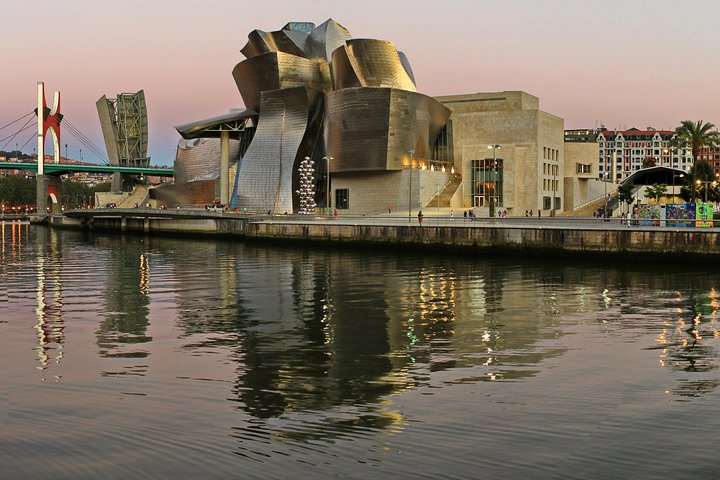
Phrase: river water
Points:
(137, 357)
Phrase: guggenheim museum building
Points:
(350, 109)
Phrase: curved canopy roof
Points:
(652, 175)
(233, 122)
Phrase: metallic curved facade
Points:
(197, 164)
(375, 63)
(276, 71)
(370, 129)
(268, 172)
(318, 92)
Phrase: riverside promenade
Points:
(559, 236)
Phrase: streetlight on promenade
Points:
(605, 179)
(706, 182)
(554, 170)
(411, 153)
(494, 148)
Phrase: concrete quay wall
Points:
(525, 239)
(529, 240)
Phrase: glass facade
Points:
(487, 182)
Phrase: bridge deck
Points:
(63, 168)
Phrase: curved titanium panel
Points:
(260, 43)
(368, 129)
(406, 65)
(325, 39)
(196, 161)
(341, 71)
(377, 64)
(265, 181)
(356, 128)
(278, 70)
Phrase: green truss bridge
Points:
(65, 168)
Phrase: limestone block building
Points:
(526, 171)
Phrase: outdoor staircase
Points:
(138, 197)
(443, 198)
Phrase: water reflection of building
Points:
(315, 334)
(123, 330)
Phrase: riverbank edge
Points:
(619, 243)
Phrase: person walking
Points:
(420, 217)
(452, 215)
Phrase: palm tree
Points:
(696, 135)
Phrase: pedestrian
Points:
(420, 217)
(452, 215)
(335, 214)
(539, 213)
(389, 208)
(465, 215)
(526, 213)
(531, 213)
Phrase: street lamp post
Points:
(706, 182)
(411, 153)
(552, 210)
(606, 195)
(494, 148)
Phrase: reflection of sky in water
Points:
(298, 351)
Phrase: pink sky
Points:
(639, 63)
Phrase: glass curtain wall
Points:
(487, 182)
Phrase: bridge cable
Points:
(90, 149)
(89, 146)
(82, 138)
(85, 137)
(12, 137)
(15, 121)
(32, 136)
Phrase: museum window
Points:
(342, 198)
(487, 181)
(546, 203)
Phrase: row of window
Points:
(627, 144)
(583, 168)
(549, 169)
(551, 154)
(656, 153)
(549, 185)
(547, 200)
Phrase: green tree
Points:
(625, 193)
(655, 192)
(648, 162)
(17, 190)
(74, 194)
(696, 136)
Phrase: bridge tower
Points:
(48, 119)
(124, 125)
